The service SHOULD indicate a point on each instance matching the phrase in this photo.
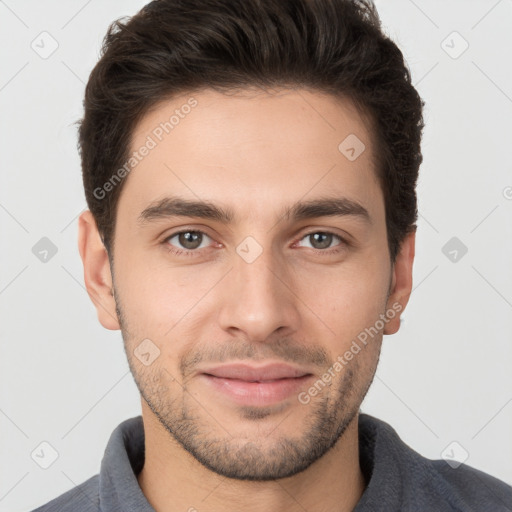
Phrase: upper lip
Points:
(247, 372)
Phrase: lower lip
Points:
(257, 393)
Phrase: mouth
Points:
(256, 386)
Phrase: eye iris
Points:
(190, 239)
(325, 240)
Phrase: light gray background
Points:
(444, 377)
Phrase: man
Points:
(250, 169)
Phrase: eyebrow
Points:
(321, 207)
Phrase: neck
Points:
(172, 480)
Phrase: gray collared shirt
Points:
(399, 479)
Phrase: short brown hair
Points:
(174, 46)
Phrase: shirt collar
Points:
(389, 466)
(122, 462)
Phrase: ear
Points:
(401, 284)
(97, 275)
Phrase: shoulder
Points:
(403, 479)
(478, 489)
(82, 498)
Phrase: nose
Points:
(259, 299)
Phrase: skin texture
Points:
(256, 153)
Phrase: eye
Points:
(188, 240)
(322, 240)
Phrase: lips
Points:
(247, 373)
(258, 386)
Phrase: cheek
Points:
(351, 294)
(155, 297)
(144, 296)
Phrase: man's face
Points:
(263, 288)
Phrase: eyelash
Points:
(192, 253)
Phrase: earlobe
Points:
(97, 274)
(401, 286)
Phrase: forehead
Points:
(252, 152)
